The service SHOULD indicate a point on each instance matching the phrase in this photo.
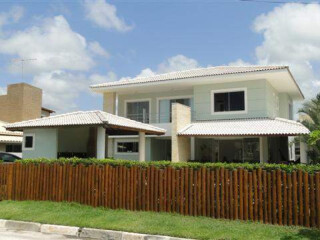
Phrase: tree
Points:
(310, 117)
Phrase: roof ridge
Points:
(288, 121)
(51, 117)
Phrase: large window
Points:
(165, 106)
(127, 147)
(138, 111)
(229, 101)
(14, 148)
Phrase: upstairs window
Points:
(138, 111)
(229, 101)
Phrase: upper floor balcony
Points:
(155, 118)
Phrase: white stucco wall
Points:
(45, 143)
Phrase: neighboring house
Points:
(46, 112)
(22, 102)
(230, 114)
(10, 142)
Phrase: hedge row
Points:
(163, 164)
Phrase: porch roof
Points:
(245, 127)
(87, 118)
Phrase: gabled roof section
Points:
(198, 72)
(87, 118)
(245, 127)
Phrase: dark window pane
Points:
(237, 101)
(9, 148)
(128, 147)
(28, 142)
(221, 102)
(13, 148)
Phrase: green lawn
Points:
(146, 222)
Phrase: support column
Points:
(181, 117)
(101, 142)
(110, 103)
(303, 152)
(193, 148)
(264, 153)
(142, 147)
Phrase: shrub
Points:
(163, 164)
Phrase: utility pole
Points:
(23, 61)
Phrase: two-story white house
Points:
(229, 114)
(237, 114)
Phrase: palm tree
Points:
(310, 117)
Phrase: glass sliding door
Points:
(138, 111)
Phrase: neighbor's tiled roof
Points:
(9, 136)
(10, 139)
(198, 72)
(245, 127)
(86, 118)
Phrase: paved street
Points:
(23, 235)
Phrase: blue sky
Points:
(78, 43)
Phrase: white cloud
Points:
(291, 37)
(12, 16)
(61, 89)
(96, 48)
(53, 43)
(177, 63)
(239, 62)
(172, 64)
(3, 90)
(104, 15)
(97, 78)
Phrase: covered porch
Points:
(243, 140)
(79, 134)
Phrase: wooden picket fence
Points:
(274, 197)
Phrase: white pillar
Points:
(264, 154)
(101, 142)
(110, 147)
(142, 147)
(192, 143)
(303, 152)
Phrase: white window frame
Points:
(116, 141)
(136, 101)
(33, 141)
(229, 90)
(169, 98)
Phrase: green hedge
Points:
(162, 164)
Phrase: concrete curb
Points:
(80, 232)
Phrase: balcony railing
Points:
(154, 118)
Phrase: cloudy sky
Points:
(74, 44)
